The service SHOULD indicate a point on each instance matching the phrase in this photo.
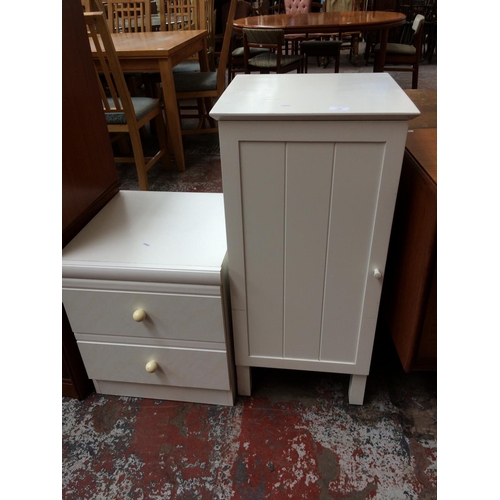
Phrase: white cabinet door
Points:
(311, 222)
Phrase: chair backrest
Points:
(128, 17)
(271, 37)
(338, 5)
(243, 9)
(226, 46)
(93, 6)
(297, 6)
(178, 15)
(207, 22)
(411, 33)
(115, 96)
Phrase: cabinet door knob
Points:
(151, 366)
(377, 274)
(139, 315)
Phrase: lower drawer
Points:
(175, 367)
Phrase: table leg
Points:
(172, 112)
(378, 66)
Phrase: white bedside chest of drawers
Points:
(145, 287)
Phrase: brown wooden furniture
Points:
(274, 60)
(409, 302)
(93, 6)
(236, 60)
(160, 51)
(125, 114)
(89, 175)
(178, 15)
(331, 22)
(206, 85)
(129, 17)
(406, 56)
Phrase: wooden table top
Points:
(315, 22)
(422, 144)
(426, 102)
(155, 44)
(421, 141)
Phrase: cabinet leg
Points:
(357, 385)
(244, 379)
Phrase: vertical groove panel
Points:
(354, 199)
(263, 198)
(308, 186)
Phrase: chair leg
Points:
(140, 164)
(414, 80)
(163, 140)
(208, 106)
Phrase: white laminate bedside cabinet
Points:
(145, 287)
(310, 168)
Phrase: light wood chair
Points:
(177, 15)
(206, 86)
(274, 60)
(406, 56)
(125, 114)
(93, 6)
(129, 17)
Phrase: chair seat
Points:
(142, 107)
(187, 67)
(195, 82)
(268, 61)
(321, 43)
(254, 51)
(320, 47)
(398, 48)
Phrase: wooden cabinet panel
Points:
(89, 175)
(409, 296)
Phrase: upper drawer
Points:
(176, 317)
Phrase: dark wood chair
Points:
(406, 56)
(236, 61)
(274, 60)
(328, 49)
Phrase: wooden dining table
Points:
(330, 22)
(159, 52)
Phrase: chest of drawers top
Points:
(151, 237)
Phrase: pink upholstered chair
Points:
(295, 7)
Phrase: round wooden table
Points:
(330, 22)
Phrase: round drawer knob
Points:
(377, 274)
(151, 366)
(139, 315)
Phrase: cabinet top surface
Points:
(148, 231)
(348, 96)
